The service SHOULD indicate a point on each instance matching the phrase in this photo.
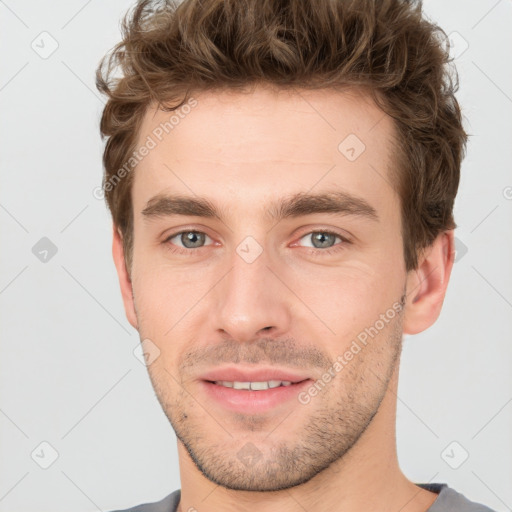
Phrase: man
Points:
(281, 177)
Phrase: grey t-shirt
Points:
(448, 500)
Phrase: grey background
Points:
(68, 374)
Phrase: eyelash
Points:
(313, 252)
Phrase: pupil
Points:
(192, 239)
(321, 238)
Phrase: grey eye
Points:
(190, 239)
(321, 239)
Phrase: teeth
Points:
(258, 386)
(253, 386)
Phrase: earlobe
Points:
(124, 277)
(426, 285)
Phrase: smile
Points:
(253, 386)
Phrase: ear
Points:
(124, 277)
(426, 286)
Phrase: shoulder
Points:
(167, 504)
(449, 500)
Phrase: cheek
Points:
(153, 297)
(167, 301)
(348, 299)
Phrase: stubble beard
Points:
(283, 454)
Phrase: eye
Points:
(185, 241)
(322, 239)
(189, 239)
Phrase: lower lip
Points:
(252, 402)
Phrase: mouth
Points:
(253, 392)
(253, 386)
(274, 377)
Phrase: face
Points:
(267, 249)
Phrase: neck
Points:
(367, 477)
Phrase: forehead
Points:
(256, 144)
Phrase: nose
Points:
(251, 301)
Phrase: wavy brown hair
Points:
(171, 50)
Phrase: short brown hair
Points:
(170, 51)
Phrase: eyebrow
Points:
(296, 205)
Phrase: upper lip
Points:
(262, 374)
